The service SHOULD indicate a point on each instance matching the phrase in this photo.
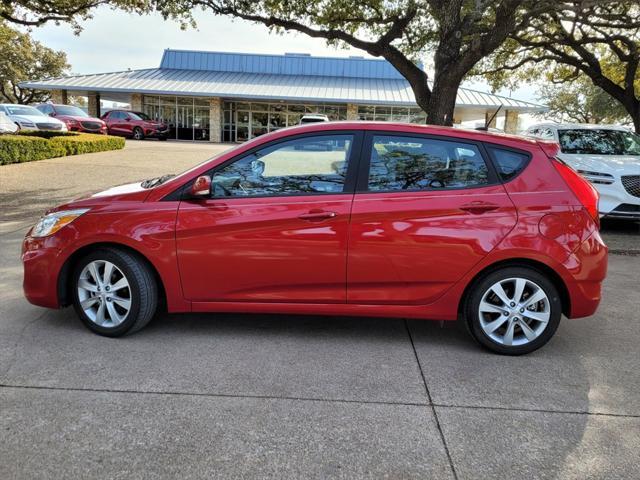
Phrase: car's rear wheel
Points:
(115, 292)
(513, 310)
(138, 134)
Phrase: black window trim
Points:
(353, 163)
(487, 147)
(363, 173)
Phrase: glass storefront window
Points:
(243, 121)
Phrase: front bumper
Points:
(156, 133)
(41, 263)
(616, 201)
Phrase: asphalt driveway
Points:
(241, 396)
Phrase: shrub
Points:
(29, 146)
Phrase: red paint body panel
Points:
(409, 248)
(250, 249)
(409, 254)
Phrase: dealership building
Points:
(232, 97)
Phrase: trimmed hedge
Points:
(29, 146)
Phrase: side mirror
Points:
(201, 187)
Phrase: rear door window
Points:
(402, 163)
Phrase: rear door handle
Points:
(317, 215)
(479, 207)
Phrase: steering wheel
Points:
(435, 181)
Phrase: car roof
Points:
(471, 134)
(577, 126)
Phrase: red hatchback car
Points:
(136, 125)
(76, 119)
(370, 219)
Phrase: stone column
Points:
(94, 104)
(352, 111)
(511, 121)
(487, 115)
(59, 97)
(136, 102)
(215, 120)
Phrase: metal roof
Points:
(287, 64)
(269, 77)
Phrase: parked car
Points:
(433, 223)
(30, 118)
(6, 124)
(76, 119)
(606, 155)
(136, 125)
(313, 118)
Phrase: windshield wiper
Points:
(154, 182)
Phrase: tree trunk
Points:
(442, 101)
(635, 116)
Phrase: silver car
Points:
(30, 118)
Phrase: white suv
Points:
(606, 155)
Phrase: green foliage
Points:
(33, 13)
(30, 146)
(25, 59)
(595, 40)
(581, 101)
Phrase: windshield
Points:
(23, 110)
(599, 142)
(69, 110)
(143, 116)
(134, 116)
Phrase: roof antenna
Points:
(488, 122)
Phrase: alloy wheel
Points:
(514, 311)
(104, 293)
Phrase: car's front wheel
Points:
(115, 292)
(513, 310)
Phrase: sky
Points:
(115, 41)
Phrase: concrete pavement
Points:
(269, 396)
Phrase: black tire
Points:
(138, 134)
(142, 285)
(482, 285)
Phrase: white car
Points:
(6, 124)
(606, 155)
(30, 118)
(313, 118)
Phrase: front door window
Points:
(305, 165)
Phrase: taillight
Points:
(582, 189)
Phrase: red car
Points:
(353, 218)
(76, 119)
(136, 125)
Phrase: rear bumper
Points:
(587, 266)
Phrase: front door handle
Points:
(479, 207)
(317, 215)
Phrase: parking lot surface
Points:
(273, 396)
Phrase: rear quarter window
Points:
(508, 162)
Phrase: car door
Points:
(276, 226)
(427, 209)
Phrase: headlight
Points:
(597, 177)
(50, 224)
